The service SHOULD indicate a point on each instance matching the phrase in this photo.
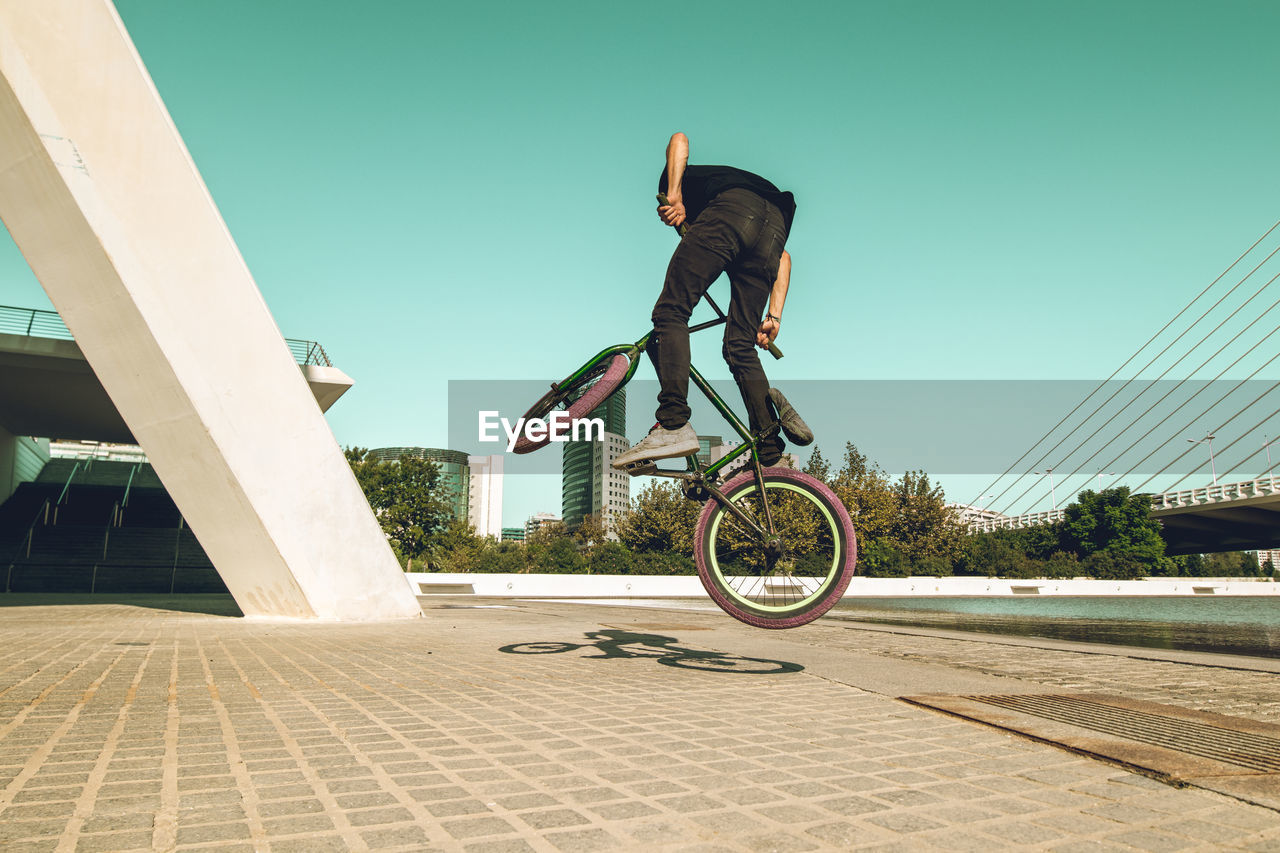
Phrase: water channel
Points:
(1225, 625)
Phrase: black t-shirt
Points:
(703, 183)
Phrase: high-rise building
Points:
(591, 485)
(484, 495)
(455, 472)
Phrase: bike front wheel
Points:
(791, 580)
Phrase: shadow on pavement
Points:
(626, 644)
(211, 604)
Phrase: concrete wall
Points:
(103, 200)
(21, 459)
(685, 586)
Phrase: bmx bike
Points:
(774, 547)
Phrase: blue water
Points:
(1227, 625)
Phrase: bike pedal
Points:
(639, 469)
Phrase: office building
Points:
(484, 495)
(539, 520)
(590, 484)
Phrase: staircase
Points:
(100, 527)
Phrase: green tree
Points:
(1119, 524)
(455, 548)
(405, 497)
(864, 490)
(1191, 566)
(557, 556)
(1231, 564)
(662, 519)
(996, 554)
(818, 467)
(880, 559)
(902, 526)
(924, 528)
(590, 532)
(611, 558)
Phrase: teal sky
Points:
(985, 190)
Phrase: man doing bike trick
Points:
(738, 224)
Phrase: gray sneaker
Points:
(660, 444)
(793, 426)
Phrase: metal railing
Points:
(308, 352)
(37, 323)
(25, 545)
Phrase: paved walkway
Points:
(560, 727)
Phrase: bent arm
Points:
(777, 299)
(778, 296)
(673, 213)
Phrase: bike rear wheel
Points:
(802, 576)
(578, 394)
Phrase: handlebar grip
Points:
(774, 351)
(684, 226)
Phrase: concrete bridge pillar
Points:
(103, 200)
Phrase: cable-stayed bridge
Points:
(1189, 418)
(1228, 517)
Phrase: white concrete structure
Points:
(103, 200)
(21, 459)
(688, 586)
(484, 495)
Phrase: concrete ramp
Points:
(103, 200)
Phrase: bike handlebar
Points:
(684, 229)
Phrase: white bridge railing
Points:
(1222, 493)
(1014, 522)
(1260, 488)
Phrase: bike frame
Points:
(704, 477)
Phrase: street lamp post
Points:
(1101, 475)
(1266, 445)
(1052, 492)
(1213, 468)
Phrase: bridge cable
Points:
(1153, 382)
(1188, 424)
(1089, 396)
(1129, 381)
(1187, 401)
(1239, 438)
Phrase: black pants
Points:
(741, 234)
